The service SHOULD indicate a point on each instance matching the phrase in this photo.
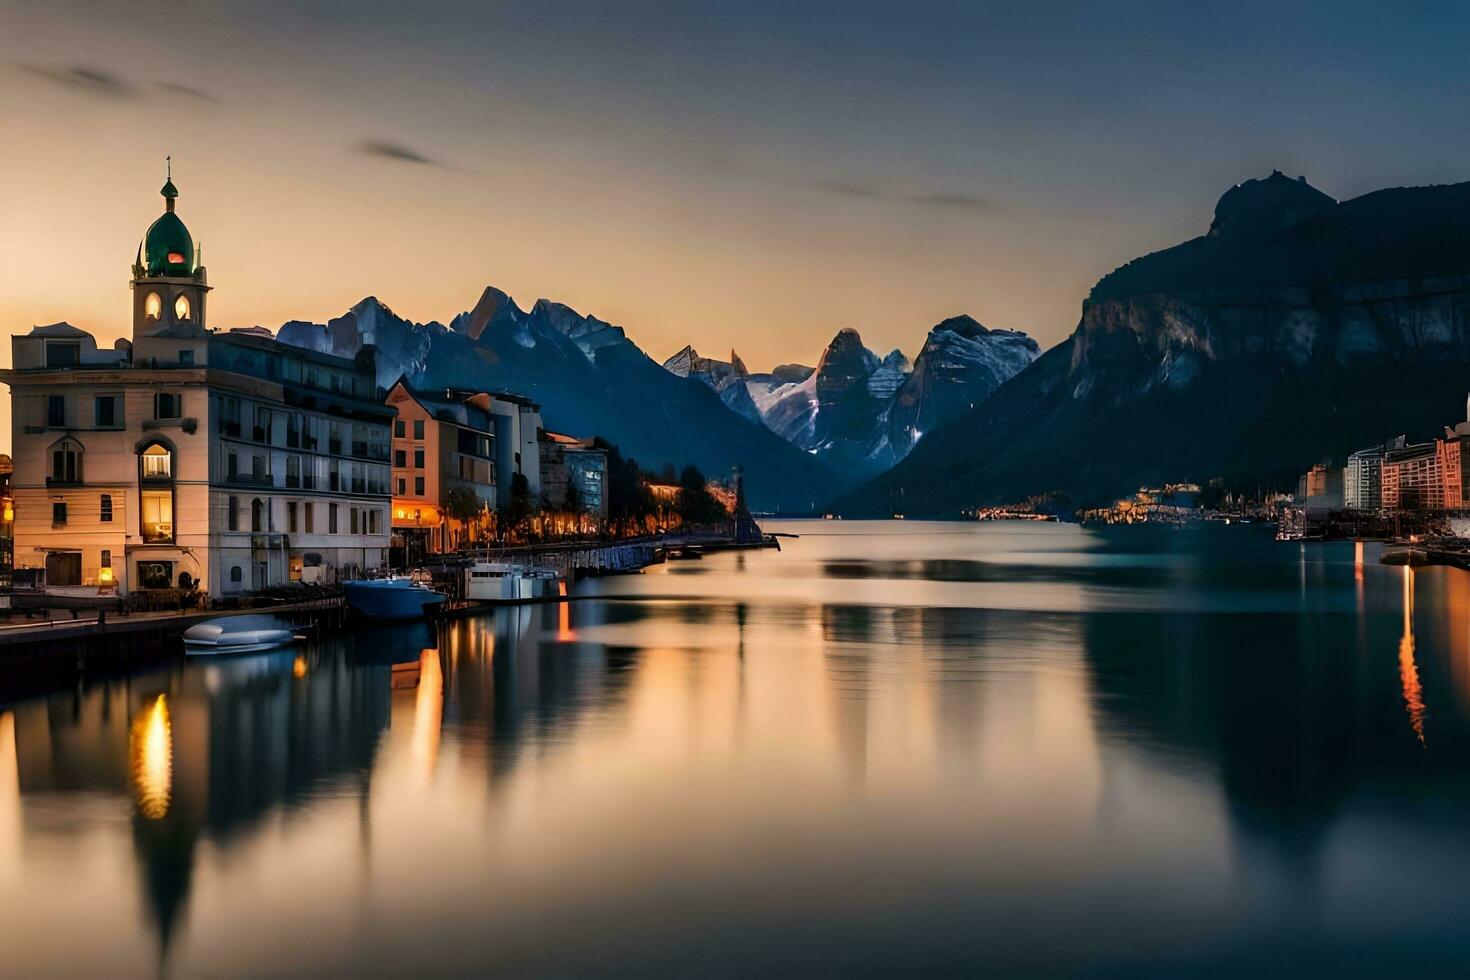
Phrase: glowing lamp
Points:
(104, 575)
(9, 514)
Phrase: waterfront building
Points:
(1413, 477)
(1363, 479)
(448, 443)
(568, 462)
(185, 457)
(1321, 488)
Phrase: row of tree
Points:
(634, 506)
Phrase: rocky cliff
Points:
(1297, 328)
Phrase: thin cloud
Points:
(188, 91)
(388, 150)
(955, 200)
(84, 79)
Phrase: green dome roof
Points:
(168, 248)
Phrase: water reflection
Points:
(704, 773)
(151, 752)
(1408, 671)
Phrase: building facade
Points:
(1413, 477)
(191, 458)
(575, 467)
(442, 444)
(1363, 479)
(455, 452)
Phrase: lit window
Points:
(181, 307)
(176, 258)
(158, 515)
(157, 463)
(153, 306)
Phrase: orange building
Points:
(439, 445)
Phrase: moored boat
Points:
(392, 598)
(507, 583)
(238, 634)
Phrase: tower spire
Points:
(169, 191)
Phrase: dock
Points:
(43, 654)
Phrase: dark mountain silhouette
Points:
(1298, 328)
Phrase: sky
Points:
(752, 175)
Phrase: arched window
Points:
(153, 306)
(66, 461)
(237, 574)
(158, 463)
(156, 493)
(181, 307)
(257, 515)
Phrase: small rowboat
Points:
(238, 634)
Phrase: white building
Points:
(189, 456)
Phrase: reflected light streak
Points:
(151, 758)
(564, 631)
(9, 793)
(1408, 670)
(428, 712)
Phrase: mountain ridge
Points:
(1246, 354)
(589, 378)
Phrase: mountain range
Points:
(860, 412)
(590, 380)
(1296, 328)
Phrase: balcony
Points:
(252, 479)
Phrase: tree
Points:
(518, 506)
(573, 502)
(696, 504)
(461, 504)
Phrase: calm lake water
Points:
(891, 747)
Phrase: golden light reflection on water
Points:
(9, 796)
(564, 631)
(428, 712)
(835, 762)
(150, 754)
(1408, 670)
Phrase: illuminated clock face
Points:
(181, 308)
(153, 306)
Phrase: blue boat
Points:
(392, 598)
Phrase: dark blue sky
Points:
(756, 174)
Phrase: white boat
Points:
(505, 582)
(238, 634)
